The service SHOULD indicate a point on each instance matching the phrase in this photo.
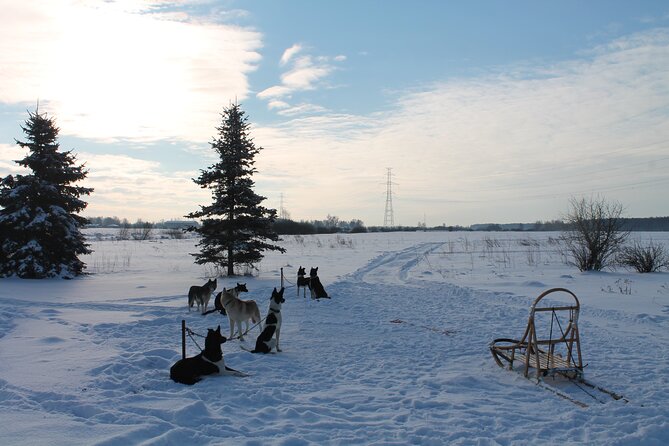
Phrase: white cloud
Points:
(301, 109)
(134, 188)
(277, 104)
(305, 73)
(289, 53)
(9, 154)
(276, 91)
(517, 144)
(114, 69)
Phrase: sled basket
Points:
(551, 342)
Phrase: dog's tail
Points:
(209, 312)
(256, 318)
(235, 372)
(246, 350)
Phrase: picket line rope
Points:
(191, 333)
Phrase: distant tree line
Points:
(647, 224)
(116, 222)
(332, 225)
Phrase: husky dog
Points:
(302, 281)
(275, 310)
(315, 285)
(201, 295)
(265, 342)
(209, 362)
(218, 305)
(240, 310)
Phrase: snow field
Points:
(399, 355)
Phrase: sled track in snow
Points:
(396, 264)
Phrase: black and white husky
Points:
(265, 341)
(209, 362)
(269, 338)
(315, 285)
(200, 295)
(302, 281)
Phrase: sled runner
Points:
(551, 342)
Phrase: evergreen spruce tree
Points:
(235, 228)
(39, 229)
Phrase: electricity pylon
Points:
(388, 217)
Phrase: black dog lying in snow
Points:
(209, 362)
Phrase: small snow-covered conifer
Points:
(39, 230)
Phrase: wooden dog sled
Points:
(551, 342)
(551, 346)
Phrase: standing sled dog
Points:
(218, 305)
(302, 281)
(239, 310)
(209, 362)
(200, 295)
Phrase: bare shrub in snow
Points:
(595, 235)
(175, 233)
(647, 258)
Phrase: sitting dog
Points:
(218, 305)
(315, 285)
(239, 310)
(208, 362)
(265, 342)
(302, 281)
(201, 295)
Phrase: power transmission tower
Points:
(388, 217)
(283, 213)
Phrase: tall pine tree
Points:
(39, 230)
(235, 228)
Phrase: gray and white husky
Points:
(200, 295)
(239, 310)
(218, 305)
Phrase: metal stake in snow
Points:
(183, 339)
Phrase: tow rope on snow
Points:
(434, 329)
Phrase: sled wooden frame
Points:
(539, 353)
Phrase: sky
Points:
(485, 111)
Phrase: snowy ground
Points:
(87, 361)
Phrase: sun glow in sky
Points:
(486, 111)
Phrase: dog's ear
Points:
(218, 329)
